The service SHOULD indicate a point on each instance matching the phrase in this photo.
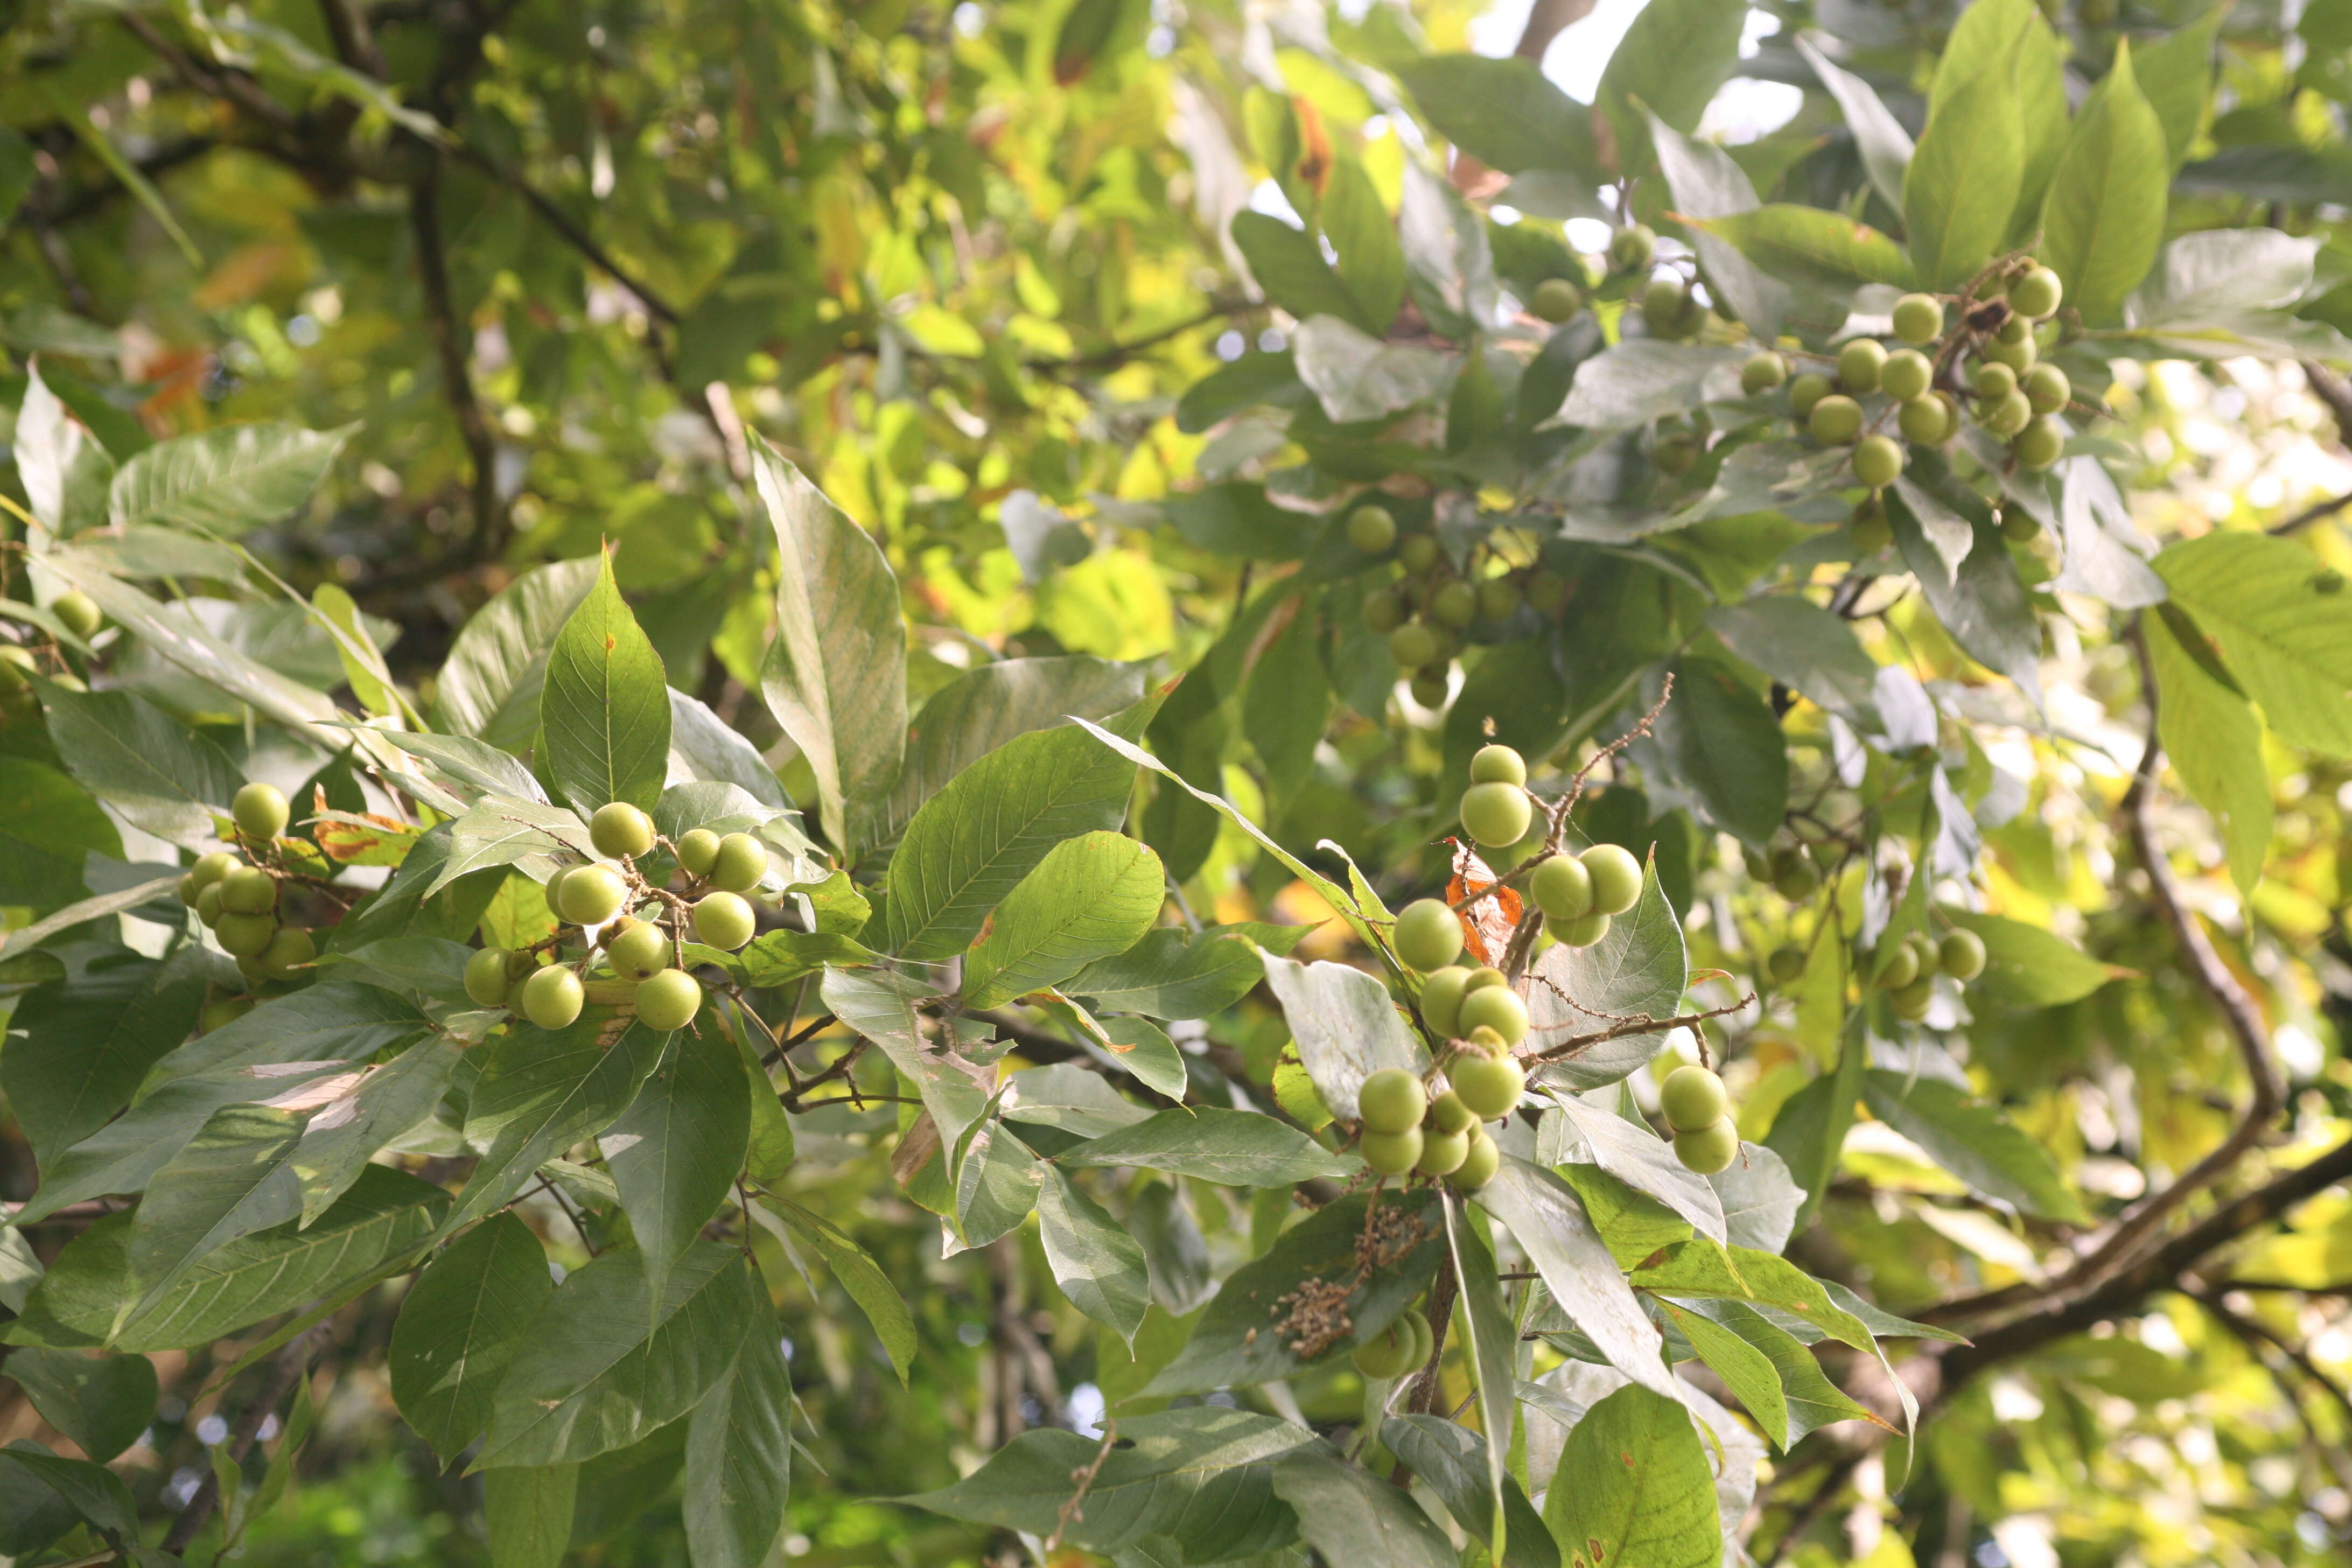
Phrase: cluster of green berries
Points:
(1670, 310)
(1407, 1131)
(78, 614)
(1397, 1349)
(235, 894)
(1698, 1110)
(1907, 972)
(1579, 894)
(598, 899)
(1425, 613)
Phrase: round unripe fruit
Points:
(1383, 611)
(1562, 886)
(642, 951)
(260, 811)
(1499, 599)
(1785, 965)
(245, 936)
(1391, 1100)
(248, 890)
(1807, 391)
(1389, 1353)
(1912, 1001)
(1906, 374)
(1496, 1007)
(1834, 421)
(1428, 935)
(1392, 1154)
(1962, 954)
(1860, 364)
(1546, 591)
(1582, 932)
(2047, 388)
(1994, 379)
(1371, 530)
(1871, 533)
(486, 976)
(1497, 813)
(190, 889)
(1675, 452)
(742, 862)
(1878, 462)
(1899, 968)
(1708, 1150)
(1441, 1153)
(79, 613)
(620, 829)
(1481, 977)
(2037, 294)
(551, 998)
(1418, 553)
(2007, 416)
(1692, 1097)
(2014, 329)
(669, 1000)
(1616, 877)
(1440, 999)
(1497, 764)
(213, 867)
(1489, 1086)
(290, 948)
(1478, 1166)
(1413, 645)
(2040, 444)
(208, 904)
(1763, 370)
(1557, 299)
(553, 890)
(591, 895)
(1919, 318)
(1448, 1114)
(1801, 881)
(1631, 249)
(724, 920)
(1454, 604)
(2017, 357)
(221, 1011)
(1926, 420)
(1924, 951)
(1429, 688)
(697, 851)
(2018, 526)
(1665, 305)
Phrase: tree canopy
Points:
(1175, 785)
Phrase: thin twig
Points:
(1083, 1475)
(292, 1364)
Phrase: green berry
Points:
(1666, 306)
(620, 829)
(1919, 318)
(2006, 416)
(245, 936)
(1616, 877)
(1557, 299)
(1392, 1154)
(486, 978)
(191, 889)
(1448, 1114)
(2040, 444)
(1499, 599)
(1877, 461)
(1582, 932)
(1801, 881)
(211, 868)
(1414, 645)
(2017, 357)
(260, 811)
(724, 920)
(2014, 329)
(697, 851)
(1807, 391)
(668, 1001)
(1440, 999)
(289, 951)
(1497, 764)
(248, 890)
(1562, 886)
(1489, 1086)
(553, 890)
(1786, 964)
(1386, 1354)
(2019, 526)
(2037, 294)
(208, 904)
(1391, 1100)
(1762, 371)
(1995, 380)
(1905, 375)
(1383, 611)
(1371, 530)
(552, 998)
(742, 863)
(1418, 553)
(1708, 1150)
(78, 612)
(1429, 688)
(1428, 935)
(1926, 420)
(1441, 1153)
(1923, 951)
(1898, 968)
(1633, 249)
(1834, 421)
(1477, 1167)
(1912, 1001)
(1497, 813)
(1454, 604)
(1675, 452)
(2047, 388)
(1692, 1097)
(1496, 1007)
(221, 1011)
(1962, 954)
(591, 895)
(641, 949)
(1860, 362)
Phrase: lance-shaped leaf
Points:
(489, 685)
(232, 1179)
(227, 481)
(1350, 1515)
(1634, 1485)
(1345, 1026)
(528, 1511)
(460, 1324)
(675, 1152)
(1453, 1462)
(79, 1044)
(1090, 897)
(1232, 1148)
(133, 755)
(886, 1009)
(859, 1275)
(91, 1490)
(2212, 738)
(1646, 1162)
(1973, 1141)
(1494, 1350)
(2103, 216)
(1812, 248)
(1700, 1267)
(102, 1404)
(603, 706)
(738, 1451)
(2272, 616)
(1099, 1267)
(984, 708)
(1964, 182)
(1175, 973)
(543, 1091)
(1885, 147)
(1543, 1215)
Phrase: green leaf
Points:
(1493, 1348)
(1639, 966)
(1070, 1096)
(604, 707)
(232, 1179)
(1631, 1223)
(738, 1451)
(1371, 264)
(2260, 601)
(47, 824)
(1636, 381)
(1285, 706)
(985, 708)
(459, 1326)
(228, 480)
(1760, 1199)
(1635, 1487)
(1724, 750)
(489, 685)
(1246, 1335)
(1212, 1144)
(1885, 146)
(1356, 376)
(1963, 182)
(1350, 1515)
(2031, 966)
(886, 1008)
(591, 1375)
(1670, 61)
(528, 1512)
(1503, 112)
(1700, 1267)
(78, 1046)
(2176, 72)
(1175, 973)
(859, 1275)
(1704, 181)
(1745, 1370)
(836, 677)
(411, 904)
(503, 831)
(163, 776)
(102, 1404)
(1806, 648)
(1288, 267)
(1453, 1462)
(1973, 1141)
(428, 968)
(2012, 36)
(1099, 1267)
(20, 1269)
(973, 842)
(540, 1092)
(1984, 607)
(769, 1149)
(1449, 261)
(675, 1152)
(1089, 897)
(91, 1490)
(1804, 1393)
(2215, 742)
(1545, 1217)
(2103, 216)
(1814, 248)
(1345, 1026)
(1629, 1151)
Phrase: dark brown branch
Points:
(2318, 512)
(452, 349)
(291, 1366)
(556, 218)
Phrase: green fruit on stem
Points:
(1693, 1097)
(1919, 318)
(1496, 1007)
(1447, 1113)
(1546, 591)
(1761, 372)
(1481, 977)
(1926, 420)
(1383, 612)
(669, 1000)
(1499, 599)
(1477, 1167)
(1414, 645)
(1860, 364)
(1834, 421)
(1877, 461)
(697, 851)
(1801, 881)
(642, 948)
(1497, 813)
(1912, 1001)
(1962, 954)
(1391, 1100)
(1616, 877)
(1708, 1150)
(1389, 1353)
(289, 951)
(221, 1011)
(190, 889)
(1582, 932)
(78, 612)
(1418, 553)
(2017, 357)
(1430, 688)
(552, 998)
(1907, 375)
(208, 904)
(260, 811)
(1871, 530)
(1440, 999)
(1666, 306)
(1923, 949)
(1675, 452)
(1995, 380)
(1497, 764)
(1786, 964)
(1563, 888)
(1898, 968)
(553, 890)
(2005, 416)
(245, 936)
(1428, 935)
(1371, 530)
(621, 830)
(212, 867)
(1807, 391)
(248, 890)
(2040, 444)
(1633, 247)
(2019, 526)
(487, 976)
(2014, 329)
(1489, 1086)
(2047, 388)
(1454, 604)
(1441, 1153)
(2037, 294)
(724, 920)
(1392, 1154)
(742, 862)
(1556, 300)
(591, 895)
